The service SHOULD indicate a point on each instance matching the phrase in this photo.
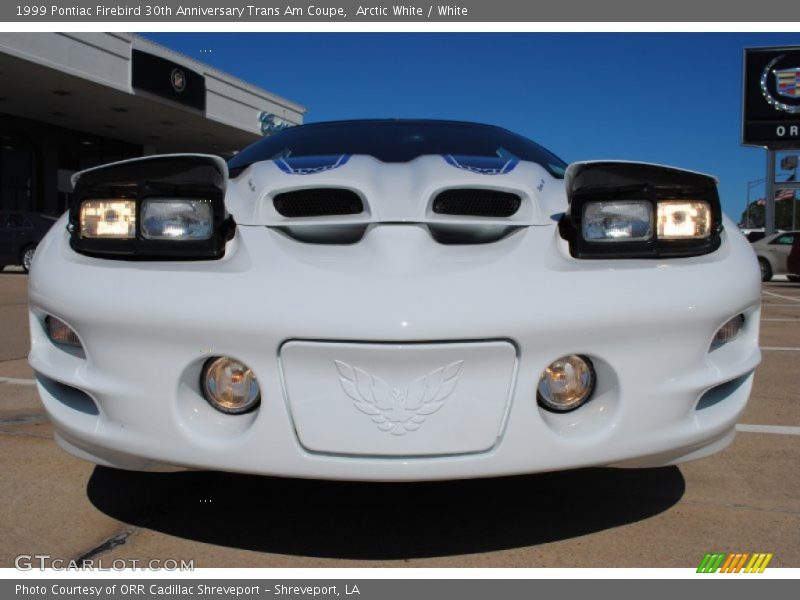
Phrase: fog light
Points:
(229, 385)
(728, 332)
(63, 335)
(566, 384)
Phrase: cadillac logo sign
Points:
(787, 82)
(178, 80)
(771, 115)
(786, 85)
(166, 79)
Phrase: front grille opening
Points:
(721, 392)
(318, 202)
(69, 396)
(460, 234)
(476, 203)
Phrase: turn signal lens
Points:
(619, 221)
(566, 384)
(111, 219)
(683, 220)
(728, 332)
(229, 385)
(62, 334)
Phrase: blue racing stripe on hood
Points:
(308, 165)
(482, 165)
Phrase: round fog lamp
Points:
(229, 385)
(566, 384)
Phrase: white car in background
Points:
(773, 251)
(393, 300)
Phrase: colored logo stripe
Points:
(309, 165)
(710, 563)
(482, 165)
(735, 562)
(758, 563)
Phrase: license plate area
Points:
(396, 400)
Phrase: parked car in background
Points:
(793, 262)
(772, 252)
(20, 233)
(753, 235)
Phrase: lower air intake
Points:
(318, 202)
(476, 203)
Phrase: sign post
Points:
(769, 207)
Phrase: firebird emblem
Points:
(395, 410)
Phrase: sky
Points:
(669, 98)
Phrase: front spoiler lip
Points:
(126, 448)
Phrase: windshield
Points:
(396, 141)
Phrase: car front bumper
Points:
(147, 328)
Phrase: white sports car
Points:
(393, 300)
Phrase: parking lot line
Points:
(780, 305)
(15, 381)
(780, 348)
(773, 429)
(774, 295)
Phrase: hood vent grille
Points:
(476, 203)
(318, 202)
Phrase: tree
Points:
(783, 215)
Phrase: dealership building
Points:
(70, 101)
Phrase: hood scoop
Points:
(340, 199)
(469, 202)
(351, 233)
(476, 211)
(318, 202)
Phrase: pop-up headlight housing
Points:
(635, 210)
(158, 207)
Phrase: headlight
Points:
(177, 219)
(620, 210)
(110, 219)
(168, 207)
(630, 220)
(683, 219)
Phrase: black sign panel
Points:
(167, 79)
(771, 115)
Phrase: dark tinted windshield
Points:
(396, 141)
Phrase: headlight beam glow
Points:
(108, 218)
(683, 219)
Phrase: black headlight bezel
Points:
(592, 182)
(184, 177)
